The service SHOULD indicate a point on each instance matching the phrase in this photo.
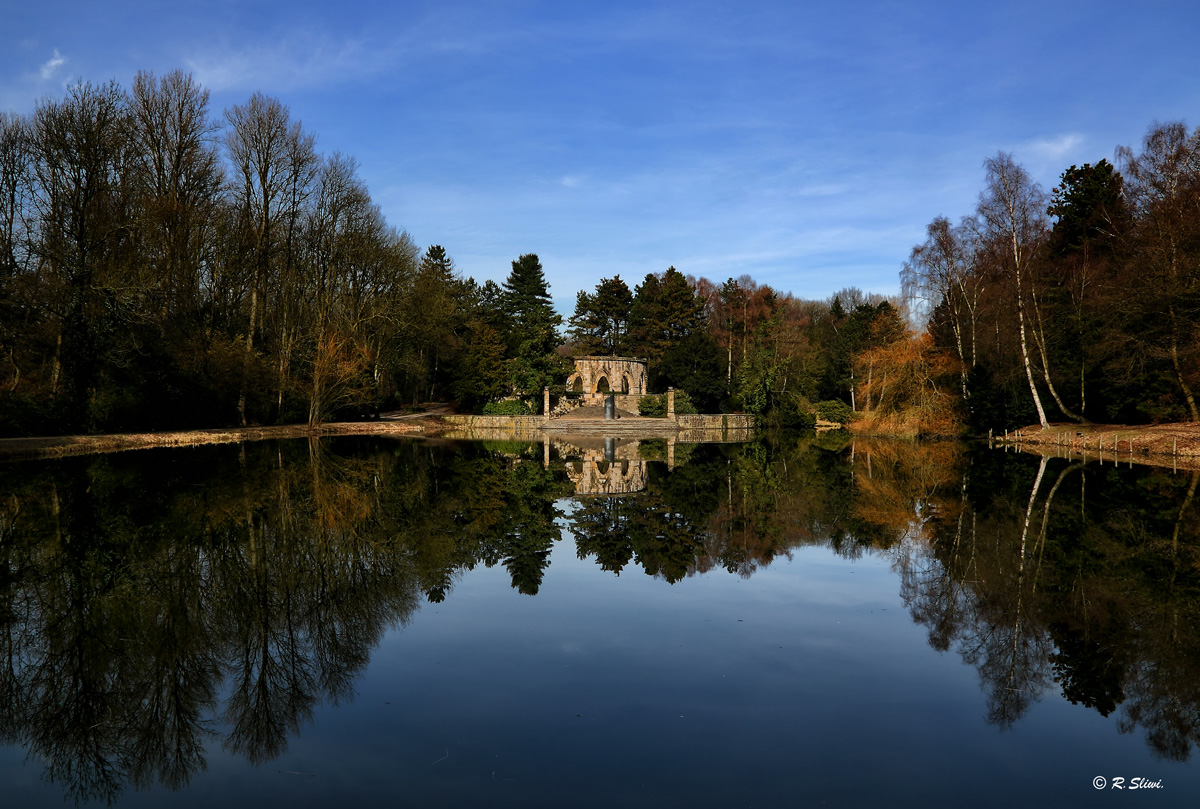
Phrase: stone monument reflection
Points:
(601, 466)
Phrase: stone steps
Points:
(592, 412)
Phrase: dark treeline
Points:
(1082, 304)
(1079, 305)
(739, 345)
(165, 268)
(162, 268)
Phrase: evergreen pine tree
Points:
(526, 299)
(533, 334)
(665, 310)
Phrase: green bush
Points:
(652, 449)
(655, 405)
(834, 410)
(506, 407)
(652, 407)
(513, 449)
(796, 414)
(683, 404)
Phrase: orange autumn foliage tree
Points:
(907, 387)
(341, 375)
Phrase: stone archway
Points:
(597, 377)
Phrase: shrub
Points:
(796, 414)
(655, 406)
(834, 410)
(683, 404)
(652, 407)
(506, 407)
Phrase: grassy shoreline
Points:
(66, 445)
(1176, 445)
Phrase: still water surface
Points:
(803, 622)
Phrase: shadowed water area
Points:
(590, 622)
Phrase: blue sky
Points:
(807, 144)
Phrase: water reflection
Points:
(151, 603)
(601, 466)
(1055, 574)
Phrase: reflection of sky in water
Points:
(807, 682)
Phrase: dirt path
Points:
(404, 415)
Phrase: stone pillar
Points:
(546, 403)
(610, 407)
(670, 403)
(670, 452)
(546, 453)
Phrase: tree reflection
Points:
(153, 605)
(132, 593)
(1084, 590)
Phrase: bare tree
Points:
(178, 173)
(339, 229)
(273, 162)
(942, 272)
(1012, 213)
(79, 148)
(16, 189)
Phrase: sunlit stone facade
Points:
(597, 377)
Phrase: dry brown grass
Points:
(1154, 444)
(907, 424)
(62, 446)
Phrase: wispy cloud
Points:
(1055, 148)
(1046, 157)
(823, 190)
(20, 92)
(51, 66)
(301, 59)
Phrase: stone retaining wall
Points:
(717, 421)
(628, 401)
(733, 423)
(501, 428)
(497, 422)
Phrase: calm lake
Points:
(807, 621)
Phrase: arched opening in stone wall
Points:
(597, 377)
